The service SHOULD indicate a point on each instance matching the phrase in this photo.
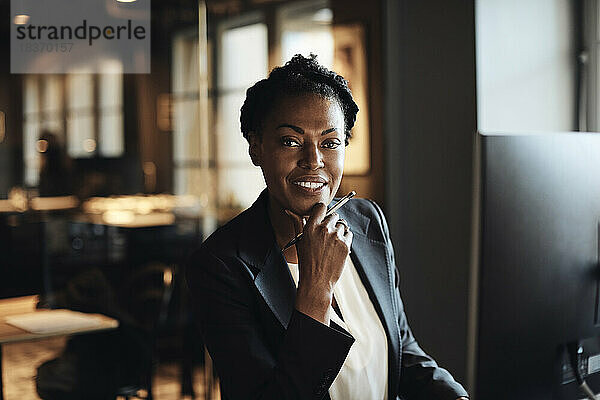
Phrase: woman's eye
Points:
(289, 142)
(331, 144)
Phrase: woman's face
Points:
(301, 151)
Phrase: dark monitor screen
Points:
(537, 269)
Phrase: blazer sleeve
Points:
(303, 367)
(420, 376)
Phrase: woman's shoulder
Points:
(365, 216)
(225, 239)
(365, 207)
(218, 255)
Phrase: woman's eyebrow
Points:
(326, 131)
(301, 131)
(294, 127)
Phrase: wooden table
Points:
(23, 305)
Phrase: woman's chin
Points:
(301, 204)
(304, 208)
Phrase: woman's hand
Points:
(322, 253)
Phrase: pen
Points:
(333, 209)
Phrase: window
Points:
(306, 28)
(210, 154)
(80, 115)
(82, 110)
(192, 137)
(239, 182)
(43, 109)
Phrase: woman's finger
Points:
(348, 238)
(316, 215)
(343, 222)
(341, 230)
(331, 221)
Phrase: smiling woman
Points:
(301, 151)
(322, 319)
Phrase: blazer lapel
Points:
(276, 285)
(259, 249)
(373, 264)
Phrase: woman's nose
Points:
(311, 158)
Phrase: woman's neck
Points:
(283, 228)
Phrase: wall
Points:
(526, 65)
(430, 119)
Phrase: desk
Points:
(23, 305)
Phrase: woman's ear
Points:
(255, 148)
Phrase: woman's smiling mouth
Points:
(311, 184)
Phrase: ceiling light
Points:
(89, 145)
(324, 15)
(42, 145)
(21, 19)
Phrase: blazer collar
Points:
(257, 239)
(258, 248)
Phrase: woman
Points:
(55, 171)
(323, 319)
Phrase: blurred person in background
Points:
(55, 167)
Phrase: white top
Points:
(364, 374)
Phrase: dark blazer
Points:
(263, 348)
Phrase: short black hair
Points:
(300, 75)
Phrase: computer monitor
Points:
(535, 265)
